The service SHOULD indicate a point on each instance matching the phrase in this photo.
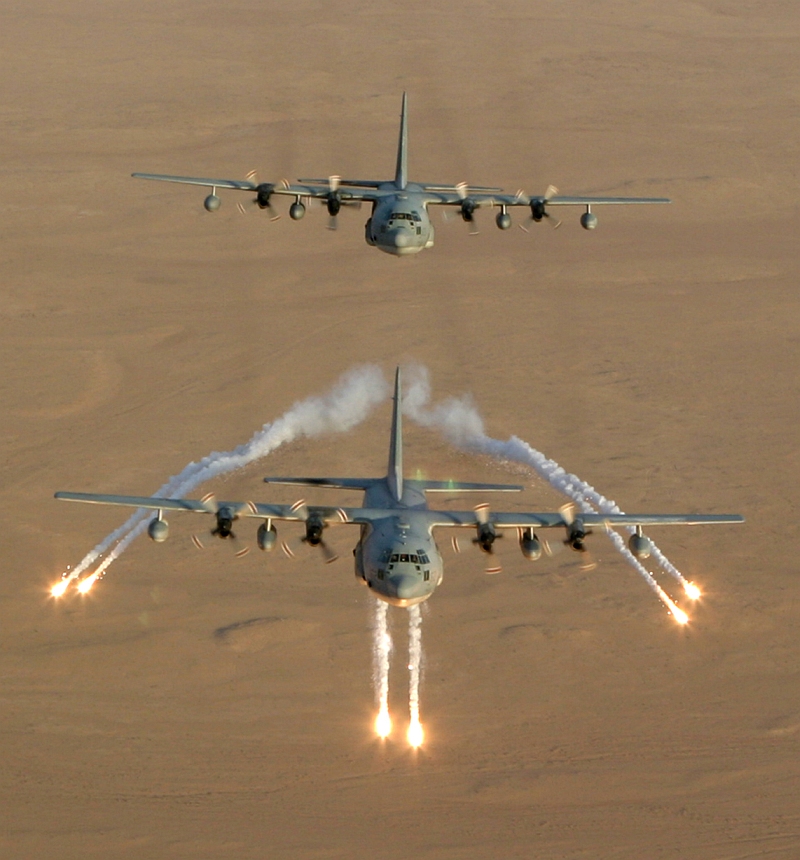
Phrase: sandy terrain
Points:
(196, 706)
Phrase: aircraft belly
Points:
(399, 252)
(403, 603)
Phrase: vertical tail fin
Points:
(401, 174)
(395, 473)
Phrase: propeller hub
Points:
(224, 527)
(314, 532)
(334, 204)
(263, 194)
(486, 537)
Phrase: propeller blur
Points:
(396, 555)
(399, 223)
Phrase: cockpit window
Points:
(414, 560)
(403, 557)
(395, 557)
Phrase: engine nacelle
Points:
(296, 211)
(314, 528)
(530, 545)
(158, 530)
(487, 535)
(503, 221)
(640, 545)
(263, 194)
(334, 204)
(212, 203)
(576, 535)
(588, 221)
(266, 537)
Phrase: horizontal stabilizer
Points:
(466, 487)
(331, 483)
(466, 189)
(353, 183)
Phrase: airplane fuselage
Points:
(397, 557)
(400, 224)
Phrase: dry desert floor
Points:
(195, 705)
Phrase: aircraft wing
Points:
(553, 520)
(304, 189)
(238, 510)
(591, 201)
(496, 197)
(237, 184)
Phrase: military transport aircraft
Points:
(399, 223)
(396, 555)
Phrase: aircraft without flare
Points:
(400, 223)
(396, 554)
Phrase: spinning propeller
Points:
(539, 210)
(225, 517)
(487, 534)
(466, 210)
(263, 196)
(576, 534)
(334, 202)
(315, 527)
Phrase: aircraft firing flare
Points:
(677, 613)
(692, 591)
(416, 734)
(85, 584)
(383, 724)
(60, 588)
(381, 656)
(680, 616)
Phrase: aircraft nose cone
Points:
(405, 586)
(400, 239)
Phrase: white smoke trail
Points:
(381, 657)
(349, 402)
(459, 421)
(415, 731)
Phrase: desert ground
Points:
(195, 705)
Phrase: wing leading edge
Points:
(366, 515)
(287, 189)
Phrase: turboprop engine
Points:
(503, 219)
(640, 545)
(158, 530)
(266, 536)
(530, 545)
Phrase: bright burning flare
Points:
(85, 584)
(59, 588)
(415, 734)
(692, 591)
(383, 724)
(680, 616)
(677, 613)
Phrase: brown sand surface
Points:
(196, 706)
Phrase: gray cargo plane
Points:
(396, 555)
(400, 222)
